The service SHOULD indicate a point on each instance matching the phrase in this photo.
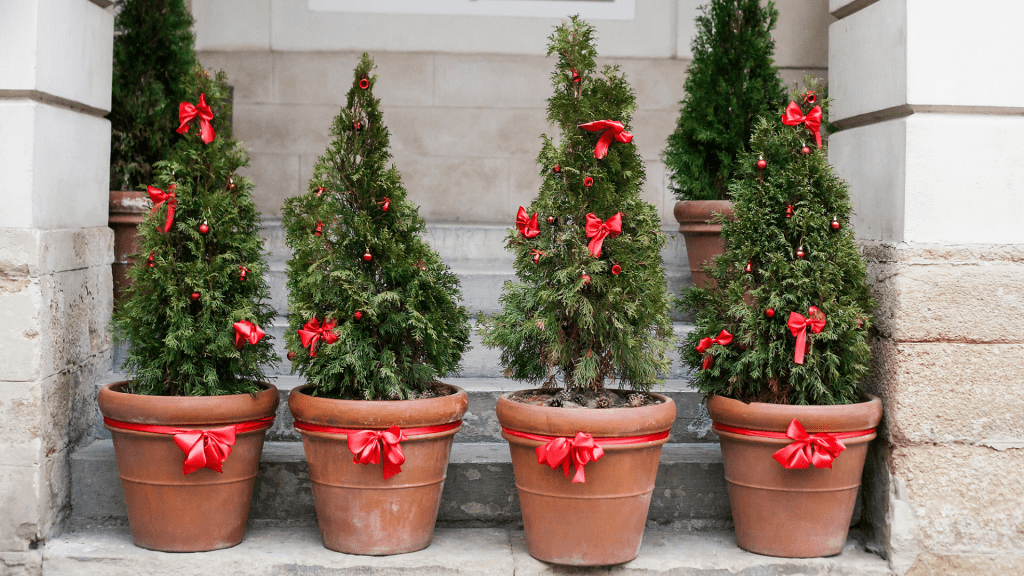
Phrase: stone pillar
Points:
(930, 106)
(55, 256)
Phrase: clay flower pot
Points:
(169, 510)
(128, 209)
(599, 521)
(358, 509)
(703, 238)
(799, 512)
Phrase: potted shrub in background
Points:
(590, 308)
(374, 321)
(188, 427)
(780, 344)
(731, 81)
(153, 53)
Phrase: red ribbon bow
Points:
(818, 449)
(798, 325)
(370, 445)
(576, 451)
(613, 130)
(528, 227)
(794, 117)
(187, 112)
(311, 332)
(159, 197)
(723, 338)
(205, 448)
(246, 331)
(597, 231)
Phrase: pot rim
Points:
(599, 423)
(814, 418)
(186, 410)
(377, 414)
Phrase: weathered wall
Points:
(463, 96)
(932, 157)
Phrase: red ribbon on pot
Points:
(187, 112)
(528, 226)
(246, 331)
(818, 449)
(723, 338)
(375, 446)
(159, 198)
(793, 117)
(597, 231)
(202, 448)
(311, 332)
(613, 130)
(562, 451)
(798, 325)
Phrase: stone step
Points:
(297, 550)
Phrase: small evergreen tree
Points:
(193, 314)
(730, 83)
(153, 52)
(373, 310)
(791, 272)
(591, 305)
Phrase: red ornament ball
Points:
(805, 150)
(557, 169)
(195, 296)
(835, 224)
(364, 83)
(789, 211)
(769, 313)
(204, 228)
(586, 279)
(231, 182)
(800, 252)
(319, 228)
(367, 256)
(616, 269)
(810, 97)
(588, 181)
(357, 125)
(749, 267)
(385, 204)
(551, 219)
(291, 355)
(812, 310)
(149, 261)
(243, 272)
(536, 258)
(358, 315)
(761, 164)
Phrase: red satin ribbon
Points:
(723, 338)
(818, 449)
(202, 448)
(613, 130)
(311, 332)
(246, 331)
(528, 227)
(794, 117)
(798, 325)
(187, 112)
(562, 451)
(597, 231)
(373, 446)
(159, 197)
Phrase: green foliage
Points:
(759, 364)
(412, 329)
(153, 51)
(730, 83)
(179, 346)
(552, 323)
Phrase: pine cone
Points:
(564, 395)
(637, 400)
(580, 399)
(555, 402)
(604, 402)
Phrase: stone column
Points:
(929, 100)
(55, 256)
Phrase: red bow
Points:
(369, 445)
(793, 117)
(615, 130)
(723, 338)
(528, 227)
(205, 448)
(158, 197)
(577, 451)
(312, 331)
(798, 325)
(598, 231)
(186, 112)
(246, 331)
(818, 449)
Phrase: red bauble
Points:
(364, 83)
(812, 310)
(357, 125)
(242, 272)
(810, 97)
(149, 261)
(319, 191)
(575, 76)
(367, 256)
(761, 164)
(358, 315)
(588, 181)
(291, 355)
(231, 182)
(536, 258)
(195, 296)
(385, 204)
(586, 279)
(800, 252)
(551, 219)
(557, 169)
(319, 228)
(616, 269)
(836, 225)
(769, 313)
(749, 267)
(805, 150)
(789, 211)
(204, 228)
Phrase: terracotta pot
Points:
(360, 512)
(600, 521)
(169, 511)
(703, 238)
(798, 513)
(128, 209)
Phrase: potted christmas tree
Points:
(730, 83)
(153, 53)
(590, 308)
(188, 427)
(374, 321)
(780, 343)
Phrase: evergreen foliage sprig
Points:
(731, 81)
(395, 315)
(759, 364)
(571, 316)
(154, 50)
(181, 346)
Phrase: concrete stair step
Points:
(297, 551)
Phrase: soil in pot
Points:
(359, 510)
(601, 520)
(175, 512)
(792, 513)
